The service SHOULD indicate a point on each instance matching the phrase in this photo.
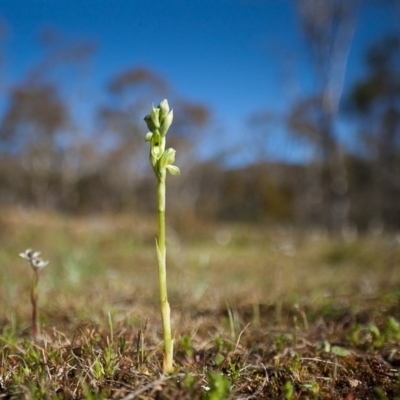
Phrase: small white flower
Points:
(38, 263)
(29, 254)
(33, 257)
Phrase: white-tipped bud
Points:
(164, 109)
(166, 123)
(155, 117)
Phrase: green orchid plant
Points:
(37, 264)
(158, 122)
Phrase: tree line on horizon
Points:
(49, 161)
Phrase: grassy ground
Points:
(257, 312)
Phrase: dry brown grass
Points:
(257, 312)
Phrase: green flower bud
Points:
(164, 109)
(158, 122)
(166, 161)
(152, 120)
(156, 147)
(155, 117)
(168, 158)
(149, 123)
(166, 123)
(173, 170)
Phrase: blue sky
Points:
(236, 56)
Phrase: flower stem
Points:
(34, 296)
(162, 276)
(158, 122)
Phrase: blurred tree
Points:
(252, 194)
(328, 26)
(37, 123)
(262, 124)
(34, 117)
(375, 99)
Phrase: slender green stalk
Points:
(162, 277)
(37, 264)
(161, 159)
(34, 297)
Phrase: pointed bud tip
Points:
(164, 104)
